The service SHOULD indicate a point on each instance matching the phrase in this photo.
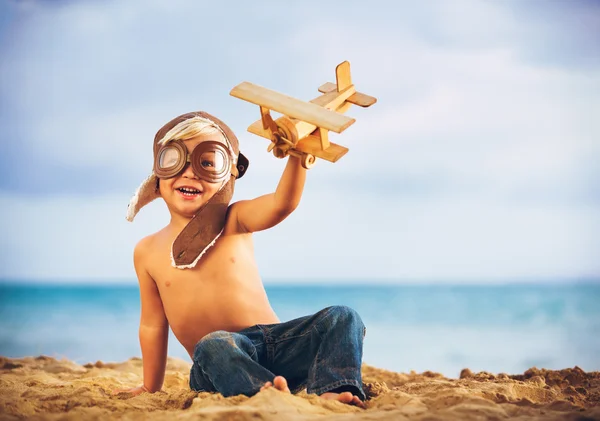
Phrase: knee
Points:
(346, 316)
(214, 343)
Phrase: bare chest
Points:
(227, 266)
(223, 292)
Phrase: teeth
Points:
(188, 190)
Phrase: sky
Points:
(478, 163)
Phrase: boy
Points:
(217, 307)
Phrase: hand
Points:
(130, 393)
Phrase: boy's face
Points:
(172, 189)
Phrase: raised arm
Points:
(267, 211)
(154, 328)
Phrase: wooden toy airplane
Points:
(303, 129)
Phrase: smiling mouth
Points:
(189, 192)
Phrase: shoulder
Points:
(143, 249)
(232, 224)
(143, 246)
(234, 208)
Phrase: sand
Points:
(44, 388)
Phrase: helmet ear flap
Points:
(242, 165)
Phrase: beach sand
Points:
(45, 388)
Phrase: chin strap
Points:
(202, 231)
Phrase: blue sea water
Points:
(502, 328)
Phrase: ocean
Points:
(500, 328)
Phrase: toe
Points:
(356, 401)
(281, 384)
(345, 397)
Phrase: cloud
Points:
(484, 122)
(559, 34)
(480, 107)
(347, 236)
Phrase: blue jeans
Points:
(322, 353)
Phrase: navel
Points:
(232, 259)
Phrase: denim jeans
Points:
(321, 353)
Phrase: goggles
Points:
(210, 160)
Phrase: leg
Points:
(228, 363)
(337, 365)
(323, 351)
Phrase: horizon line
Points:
(317, 282)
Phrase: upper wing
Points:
(292, 107)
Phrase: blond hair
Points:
(193, 127)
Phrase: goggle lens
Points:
(213, 161)
(169, 157)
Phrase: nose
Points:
(188, 172)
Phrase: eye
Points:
(207, 164)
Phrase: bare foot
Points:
(344, 397)
(279, 383)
